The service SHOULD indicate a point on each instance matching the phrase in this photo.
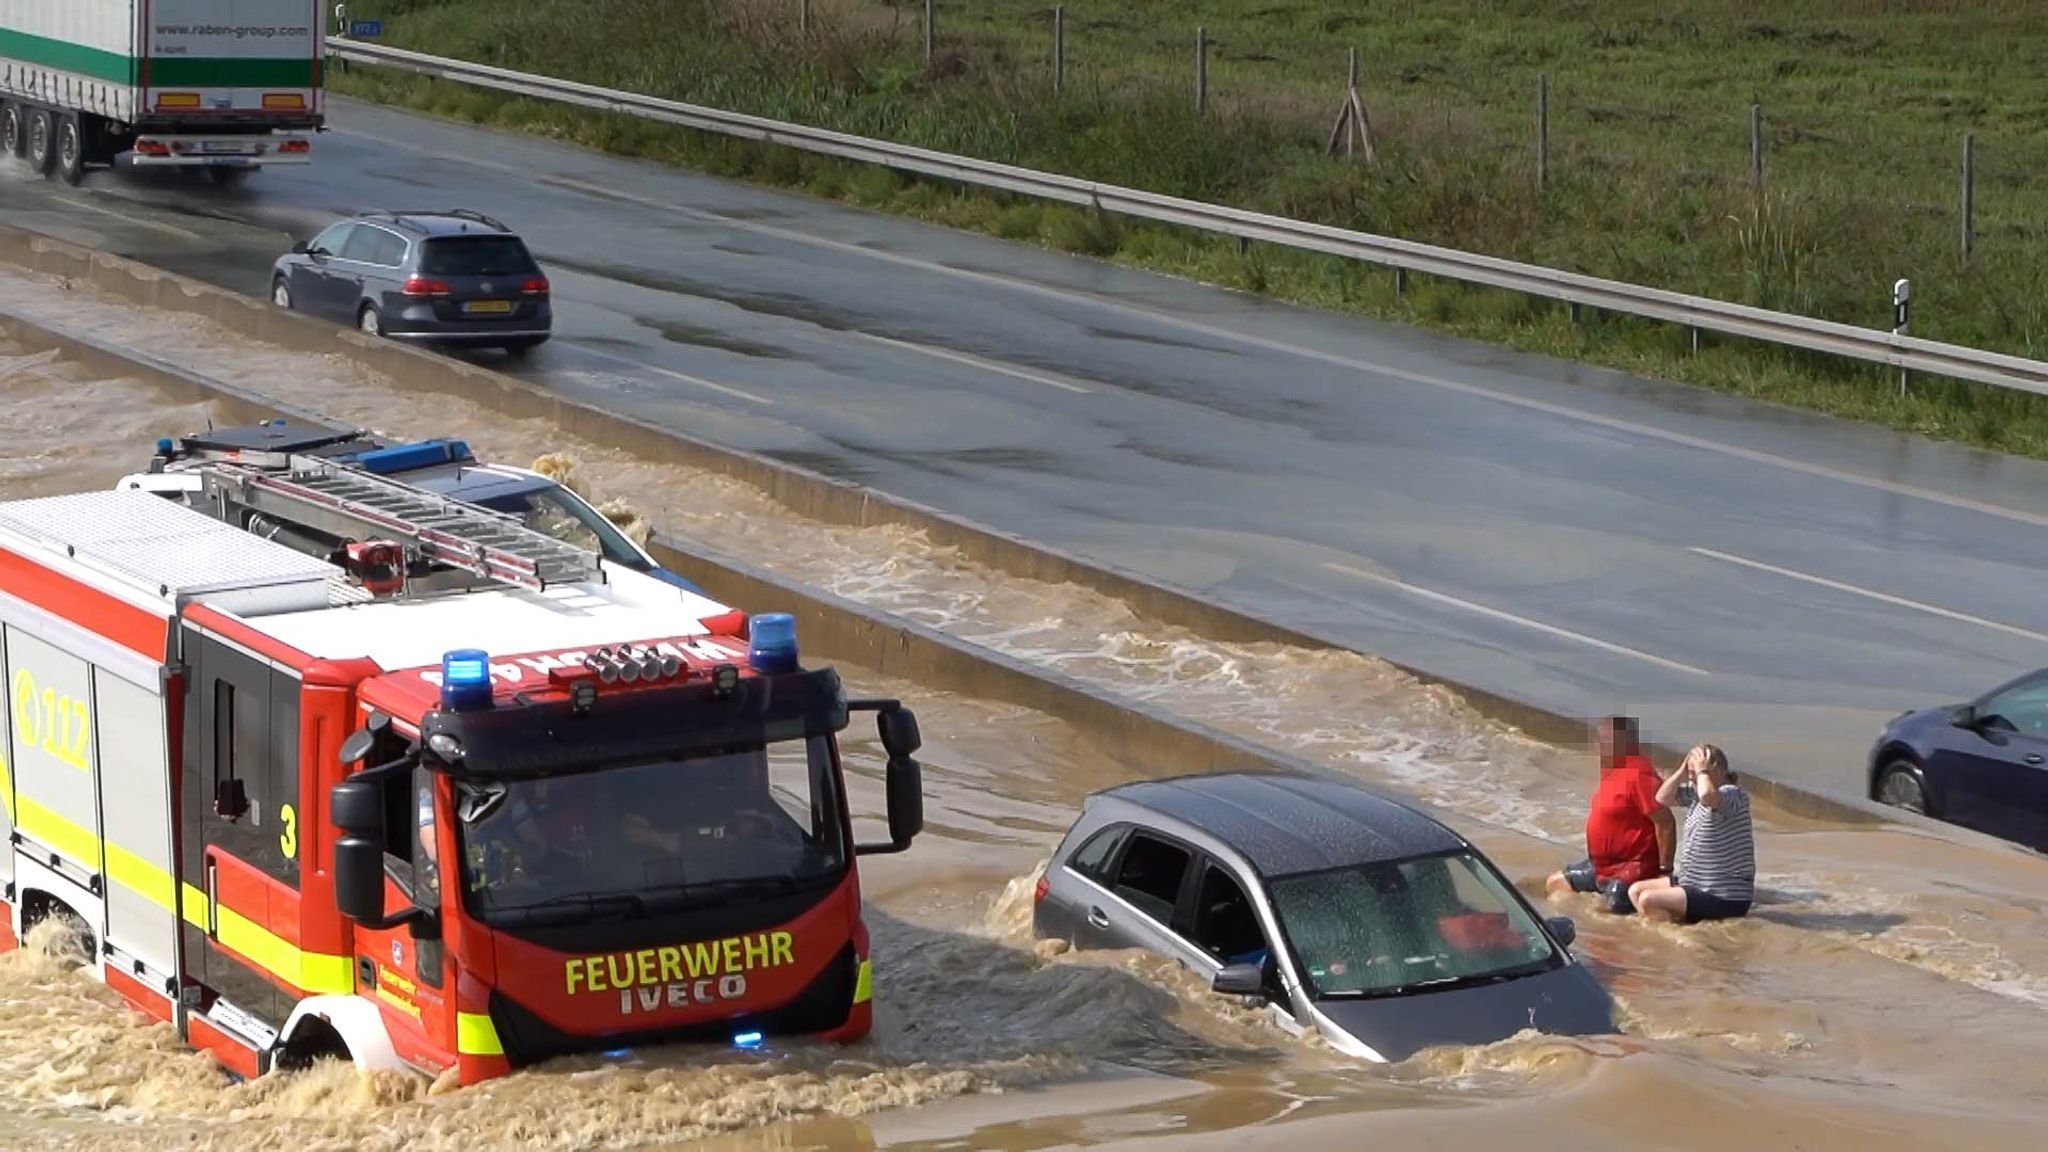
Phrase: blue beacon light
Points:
(771, 642)
(746, 1040)
(466, 680)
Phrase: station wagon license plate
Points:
(487, 307)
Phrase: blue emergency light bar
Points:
(746, 1040)
(466, 680)
(771, 642)
(420, 454)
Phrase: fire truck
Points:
(455, 797)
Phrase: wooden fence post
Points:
(1201, 70)
(1059, 47)
(1969, 193)
(1542, 131)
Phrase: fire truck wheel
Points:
(314, 1041)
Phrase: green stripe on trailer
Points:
(164, 71)
(64, 56)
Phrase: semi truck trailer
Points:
(224, 86)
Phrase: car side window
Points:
(1092, 859)
(331, 240)
(1149, 876)
(361, 245)
(2024, 706)
(387, 248)
(1226, 925)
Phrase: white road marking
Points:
(972, 361)
(1648, 431)
(1524, 621)
(1880, 597)
(672, 374)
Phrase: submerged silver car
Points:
(1345, 912)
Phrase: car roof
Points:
(433, 223)
(1285, 824)
(475, 483)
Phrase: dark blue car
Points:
(1981, 765)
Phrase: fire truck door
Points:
(241, 823)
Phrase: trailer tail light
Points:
(296, 147)
(152, 148)
(417, 285)
(535, 286)
(284, 101)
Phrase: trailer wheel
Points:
(70, 151)
(41, 133)
(13, 133)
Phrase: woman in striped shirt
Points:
(1716, 874)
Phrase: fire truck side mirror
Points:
(357, 808)
(359, 879)
(906, 800)
(900, 737)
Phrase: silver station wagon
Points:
(1343, 911)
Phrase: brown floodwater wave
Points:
(1887, 991)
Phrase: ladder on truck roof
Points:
(353, 504)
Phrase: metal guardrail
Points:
(1847, 340)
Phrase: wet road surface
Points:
(1776, 581)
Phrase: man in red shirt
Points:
(1629, 835)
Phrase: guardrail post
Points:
(1542, 130)
(1201, 70)
(1059, 47)
(1969, 193)
(1756, 148)
(1400, 282)
(1902, 310)
(931, 19)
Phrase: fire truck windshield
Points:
(653, 836)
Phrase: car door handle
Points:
(2033, 757)
(1098, 917)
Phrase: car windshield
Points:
(564, 517)
(1407, 925)
(697, 831)
(476, 256)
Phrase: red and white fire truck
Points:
(457, 796)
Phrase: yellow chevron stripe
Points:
(864, 986)
(475, 1035)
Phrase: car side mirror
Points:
(300, 248)
(1964, 716)
(1240, 980)
(1562, 928)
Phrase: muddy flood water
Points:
(1889, 991)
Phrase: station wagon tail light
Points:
(535, 286)
(1044, 886)
(417, 285)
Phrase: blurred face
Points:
(1613, 741)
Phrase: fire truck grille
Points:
(823, 1005)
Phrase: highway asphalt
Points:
(1774, 581)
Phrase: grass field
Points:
(1865, 107)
